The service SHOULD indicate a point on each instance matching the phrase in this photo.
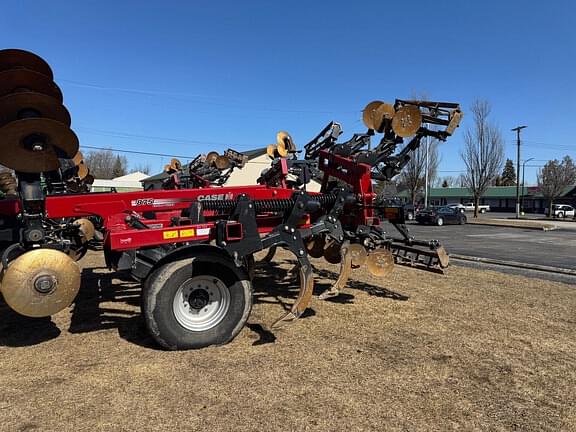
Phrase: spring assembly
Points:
(8, 183)
(266, 205)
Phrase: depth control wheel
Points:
(196, 302)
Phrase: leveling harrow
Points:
(192, 245)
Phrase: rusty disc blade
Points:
(17, 58)
(175, 165)
(380, 262)
(78, 158)
(285, 140)
(41, 282)
(315, 247)
(383, 116)
(86, 228)
(167, 168)
(369, 112)
(281, 150)
(271, 151)
(211, 158)
(407, 121)
(222, 163)
(82, 171)
(16, 106)
(18, 139)
(443, 257)
(332, 253)
(358, 254)
(25, 80)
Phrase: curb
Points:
(542, 227)
(515, 264)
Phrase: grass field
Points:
(469, 350)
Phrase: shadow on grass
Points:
(108, 300)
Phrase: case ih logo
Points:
(213, 197)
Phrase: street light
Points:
(523, 169)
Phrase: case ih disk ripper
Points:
(192, 244)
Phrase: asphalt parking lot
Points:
(548, 248)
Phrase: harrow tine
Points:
(345, 270)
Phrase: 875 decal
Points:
(142, 202)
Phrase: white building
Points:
(127, 183)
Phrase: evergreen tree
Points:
(508, 177)
(118, 169)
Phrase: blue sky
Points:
(183, 77)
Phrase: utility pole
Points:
(517, 130)
(426, 177)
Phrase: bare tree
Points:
(104, 164)
(413, 175)
(554, 177)
(142, 167)
(483, 152)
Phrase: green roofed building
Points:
(499, 198)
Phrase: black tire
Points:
(560, 215)
(462, 220)
(159, 301)
(440, 221)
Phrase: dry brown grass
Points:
(469, 350)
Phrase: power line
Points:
(189, 98)
(137, 152)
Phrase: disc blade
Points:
(41, 282)
(368, 114)
(78, 158)
(407, 121)
(176, 165)
(315, 247)
(89, 179)
(17, 58)
(283, 138)
(222, 163)
(271, 151)
(358, 253)
(332, 253)
(16, 106)
(86, 228)
(82, 171)
(57, 139)
(380, 262)
(383, 117)
(25, 80)
(211, 157)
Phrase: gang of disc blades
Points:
(16, 106)
(17, 58)
(407, 121)
(26, 80)
(57, 139)
(41, 282)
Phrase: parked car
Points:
(482, 208)
(561, 211)
(410, 211)
(459, 207)
(441, 216)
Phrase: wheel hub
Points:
(201, 303)
(198, 299)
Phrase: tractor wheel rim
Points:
(201, 303)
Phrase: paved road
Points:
(551, 248)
